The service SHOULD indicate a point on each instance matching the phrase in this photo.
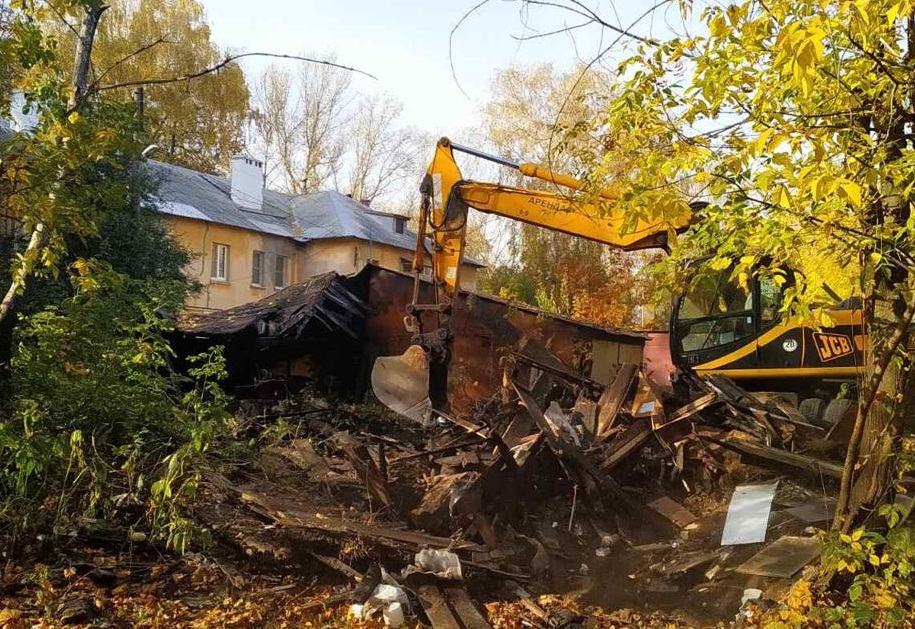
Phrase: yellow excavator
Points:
(717, 326)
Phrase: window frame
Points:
(260, 268)
(219, 247)
(406, 265)
(400, 225)
(280, 263)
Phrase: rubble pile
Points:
(623, 497)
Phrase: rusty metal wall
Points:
(486, 330)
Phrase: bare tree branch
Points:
(127, 58)
(589, 14)
(62, 17)
(558, 31)
(229, 59)
(301, 121)
(454, 29)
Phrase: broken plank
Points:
(783, 558)
(808, 463)
(527, 599)
(613, 397)
(685, 562)
(626, 443)
(466, 609)
(336, 564)
(685, 412)
(673, 511)
(436, 607)
(588, 410)
(470, 427)
(537, 355)
(566, 450)
(462, 441)
(561, 446)
(646, 402)
(434, 512)
(281, 513)
(358, 455)
(494, 570)
(781, 409)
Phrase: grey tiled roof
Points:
(333, 215)
(306, 217)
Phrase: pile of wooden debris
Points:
(622, 495)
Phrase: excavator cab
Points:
(719, 327)
(719, 322)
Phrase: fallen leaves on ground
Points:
(191, 597)
(517, 615)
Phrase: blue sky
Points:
(405, 43)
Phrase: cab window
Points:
(770, 300)
(715, 312)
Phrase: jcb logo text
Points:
(832, 346)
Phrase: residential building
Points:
(249, 241)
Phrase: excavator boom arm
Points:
(594, 217)
(411, 385)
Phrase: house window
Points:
(219, 268)
(279, 272)
(257, 269)
(400, 224)
(406, 265)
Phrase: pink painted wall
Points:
(657, 362)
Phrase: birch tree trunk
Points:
(80, 88)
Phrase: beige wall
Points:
(199, 237)
(343, 255)
(349, 255)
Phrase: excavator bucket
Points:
(402, 383)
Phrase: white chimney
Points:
(247, 180)
(22, 120)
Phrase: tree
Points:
(90, 402)
(53, 178)
(198, 124)
(301, 120)
(795, 118)
(384, 155)
(530, 117)
(316, 132)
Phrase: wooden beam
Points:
(436, 607)
(290, 515)
(613, 397)
(808, 463)
(626, 443)
(684, 412)
(466, 609)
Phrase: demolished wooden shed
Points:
(331, 328)
(310, 330)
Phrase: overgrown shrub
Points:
(97, 422)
